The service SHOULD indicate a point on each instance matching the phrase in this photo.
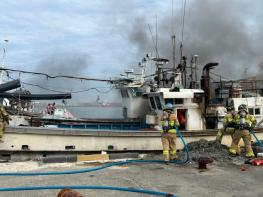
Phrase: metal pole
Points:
(173, 43)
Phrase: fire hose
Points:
(179, 162)
(255, 136)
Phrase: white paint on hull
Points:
(44, 139)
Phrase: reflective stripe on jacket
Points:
(4, 116)
(249, 119)
(172, 121)
(228, 120)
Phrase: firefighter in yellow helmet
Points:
(168, 123)
(4, 118)
(228, 123)
(244, 122)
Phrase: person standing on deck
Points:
(4, 118)
(168, 123)
(52, 108)
(244, 122)
(228, 123)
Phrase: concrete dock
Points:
(220, 180)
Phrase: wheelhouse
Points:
(188, 106)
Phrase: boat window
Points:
(168, 101)
(257, 111)
(178, 101)
(152, 103)
(251, 111)
(158, 102)
(136, 92)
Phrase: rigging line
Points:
(156, 34)
(57, 76)
(164, 71)
(172, 18)
(155, 47)
(219, 75)
(183, 21)
(46, 87)
(104, 92)
(39, 86)
(79, 91)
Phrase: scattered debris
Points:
(213, 149)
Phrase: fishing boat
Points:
(142, 103)
(199, 106)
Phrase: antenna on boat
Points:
(183, 58)
(156, 37)
(142, 65)
(3, 61)
(183, 18)
(173, 35)
(173, 43)
(194, 71)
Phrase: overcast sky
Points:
(104, 37)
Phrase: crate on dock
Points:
(94, 157)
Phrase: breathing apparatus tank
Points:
(166, 116)
(242, 111)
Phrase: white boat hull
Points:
(50, 139)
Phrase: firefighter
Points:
(244, 122)
(168, 123)
(4, 118)
(228, 123)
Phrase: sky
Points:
(103, 38)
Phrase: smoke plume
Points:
(61, 63)
(222, 31)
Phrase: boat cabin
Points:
(188, 106)
(254, 104)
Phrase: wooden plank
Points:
(95, 157)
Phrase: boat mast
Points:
(142, 65)
(194, 71)
(183, 58)
(173, 43)
(3, 62)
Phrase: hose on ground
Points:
(255, 136)
(146, 191)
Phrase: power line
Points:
(52, 90)
(154, 44)
(220, 76)
(85, 90)
(56, 76)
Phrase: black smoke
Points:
(228, 32)
(61, 63)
